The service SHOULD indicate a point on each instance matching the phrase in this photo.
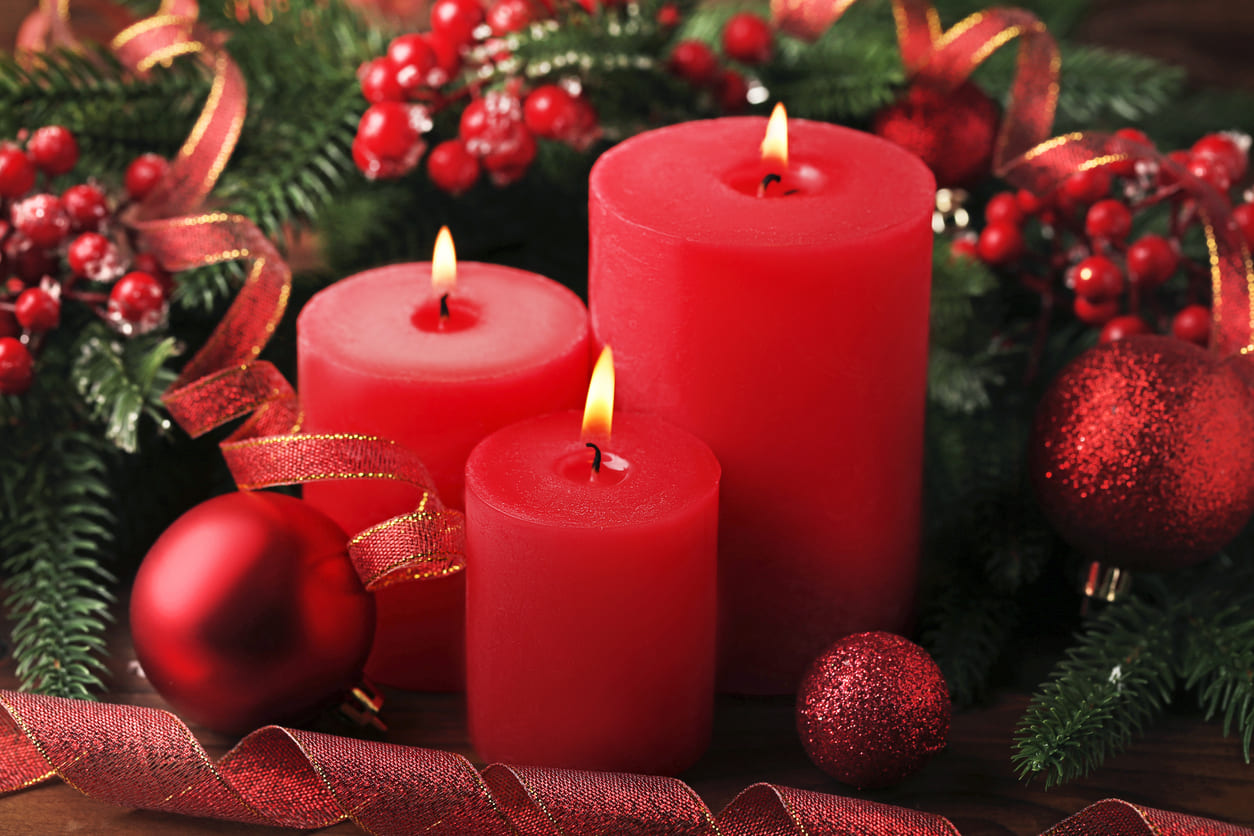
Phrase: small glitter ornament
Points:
(872, 709)
(1143, 453)
(953, 132)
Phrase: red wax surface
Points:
(591, 600)
(375, 358)
(790, 333)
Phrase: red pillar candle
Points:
(591, 595)
(376, 356)
(784, 321)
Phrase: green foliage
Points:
(1113, 682)
(121, 381)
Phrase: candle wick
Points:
(767, 181)
(596, 457)
(444, 306)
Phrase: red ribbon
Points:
(946, 59)
(225, 380)
(146, 758)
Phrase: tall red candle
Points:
(375, 356)
(591, 596)
(784, 321)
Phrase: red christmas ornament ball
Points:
(247, 611)
(1141, 454)
(872, 709)
(953, 132)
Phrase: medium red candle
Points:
(591, 592)
(777, 307)
(377, 356)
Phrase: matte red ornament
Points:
(873, 709)
(247, 611)
(954, 132)
(1142, 454)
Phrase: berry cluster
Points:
(1121, 281)
(68, 247)
(499, 129)
(747, 38)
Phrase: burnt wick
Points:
(767, 181)
(596, 457)
(444, 306)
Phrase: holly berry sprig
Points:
(68, 247)
(467, 60)
(1087, 255)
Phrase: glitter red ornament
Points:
(1141, 455)
(247, 611)
(954, 132)
(873, 709)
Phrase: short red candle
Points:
(591, 598)
(376, 357)
(789, 331)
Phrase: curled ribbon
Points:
(945, 59)
(146, 758)
(1044, 168)
(225, 380)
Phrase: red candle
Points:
(377, 356)
(777, 307)
(591, 593)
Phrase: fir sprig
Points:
(121, 381)
(1114, 681)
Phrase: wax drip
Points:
(596, 457)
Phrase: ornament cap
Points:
(363, 704)
(1105, 583)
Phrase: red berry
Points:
(17, 173)
(448, 57)
(1192, 324)
(1000, 243)
(1243, 216)
(42, 219)
(1226, 150)
(1210, 170)
(1088, 186)
(1122, 327)
(1181, 159)
(86, 205)
(1094, 313)
(1108, 220)
(1028, 202)
(1098, 279)
(143, 174)
(733, 92)
(1003, 208)
(1127, 168)
(14, 286)
(28, 262)
(388, 143)
(510, 162)
(137, 299)
(147, 263)
(550, 112)
(93, 256)
(747, 38)
(964, 247)
(507, 16)
(379, 81)
(694, 62)
(456, 19)
(668, 16)
(451, 167)
(53, 149)
(414, 59)
(491, 123)
(1151, 261)
(37, 309)
(587, 129)
(16, 367)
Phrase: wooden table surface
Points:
(1182, 764)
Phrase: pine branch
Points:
(121, 381)
(1116, 679)
(966, 627)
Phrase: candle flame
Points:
(775, 143)
(598, 412)
(443, 263)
